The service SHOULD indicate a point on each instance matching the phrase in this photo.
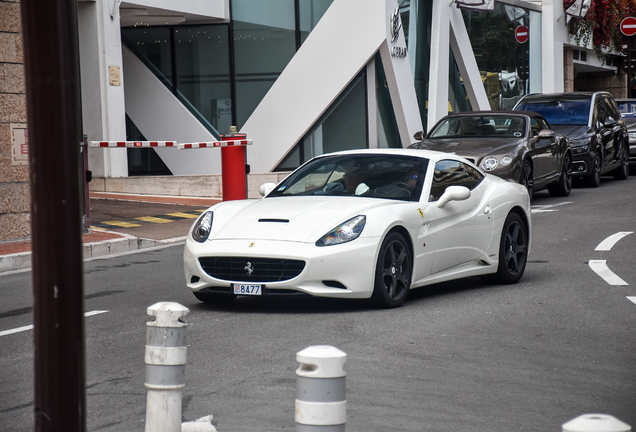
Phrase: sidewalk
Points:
(134, 222)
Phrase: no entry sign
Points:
(521, 34)
(628, 26)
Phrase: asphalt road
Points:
(457, 356)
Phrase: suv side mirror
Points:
(419, 135)
(609, 122)
(453, 193)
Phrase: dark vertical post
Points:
(51, 62)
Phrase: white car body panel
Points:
(460, 239)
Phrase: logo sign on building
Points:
(395, 27)
(521, 34)
(628, 26)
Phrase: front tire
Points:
(513, 251)
(594, 180)
(564, 185)
(527, 177)
(392, 272)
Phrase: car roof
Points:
(564, 96)
(530, 114)
(420, 153)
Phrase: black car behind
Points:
(593, 123)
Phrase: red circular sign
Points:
(521, 34)
(628, 26)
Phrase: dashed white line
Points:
(609, 242)
(30, 327)
(601, 269)
(547, 208)
(632, 299)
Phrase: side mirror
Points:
(419, 136)
(266, 188)
(453, 193)
(610, 122)
(546, 133)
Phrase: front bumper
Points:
(344, 271)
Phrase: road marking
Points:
(30, 327)
(609, 242)
(547, 208)
(632, 299)
(601, 269)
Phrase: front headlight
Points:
(492, 162)
(202, 227)
(580, 145)
(343, 233)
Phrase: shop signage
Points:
(521, 34)
(395, 28)
(628, 26)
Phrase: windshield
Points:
(480, 126)
(378, 176)
(560, 112)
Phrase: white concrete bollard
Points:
(320, 393)
(595, 423)
(165, 360)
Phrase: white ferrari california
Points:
(362, 224)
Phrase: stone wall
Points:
(14, 179)
(613, 82)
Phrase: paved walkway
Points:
(158, 220)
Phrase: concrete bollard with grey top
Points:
(595, 423)
(320, 392)
(165, 360)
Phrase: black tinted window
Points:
(453, 173)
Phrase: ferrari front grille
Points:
(256, 270)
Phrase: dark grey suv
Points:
(593, 123)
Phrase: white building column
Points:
(440, 58)
(103, 109)
(553, 36)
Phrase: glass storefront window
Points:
(264, 36)
(202, 63)
(503, 62)
(153, 43)
(310, 12)
(342, 127)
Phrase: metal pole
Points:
(51, 63)
(321, 405)
(165, 359)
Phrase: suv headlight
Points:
(343, 233)
(202, 227)
(580, 145)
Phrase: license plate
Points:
(247, 289)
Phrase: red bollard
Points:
(233, 168)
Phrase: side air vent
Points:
(274, 220)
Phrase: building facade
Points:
(299, 77)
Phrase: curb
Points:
(128, 243)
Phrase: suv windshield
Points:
(376, 176)
(559, 112)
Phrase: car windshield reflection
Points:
(480, 126)
(560, 112)
(375, 176)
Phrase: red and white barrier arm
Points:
(115, 144)
(212, 144)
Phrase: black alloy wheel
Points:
(527, 177)
(513, 251)
(393, 272)
(594, 179)
(564, 185)
(622, 172)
